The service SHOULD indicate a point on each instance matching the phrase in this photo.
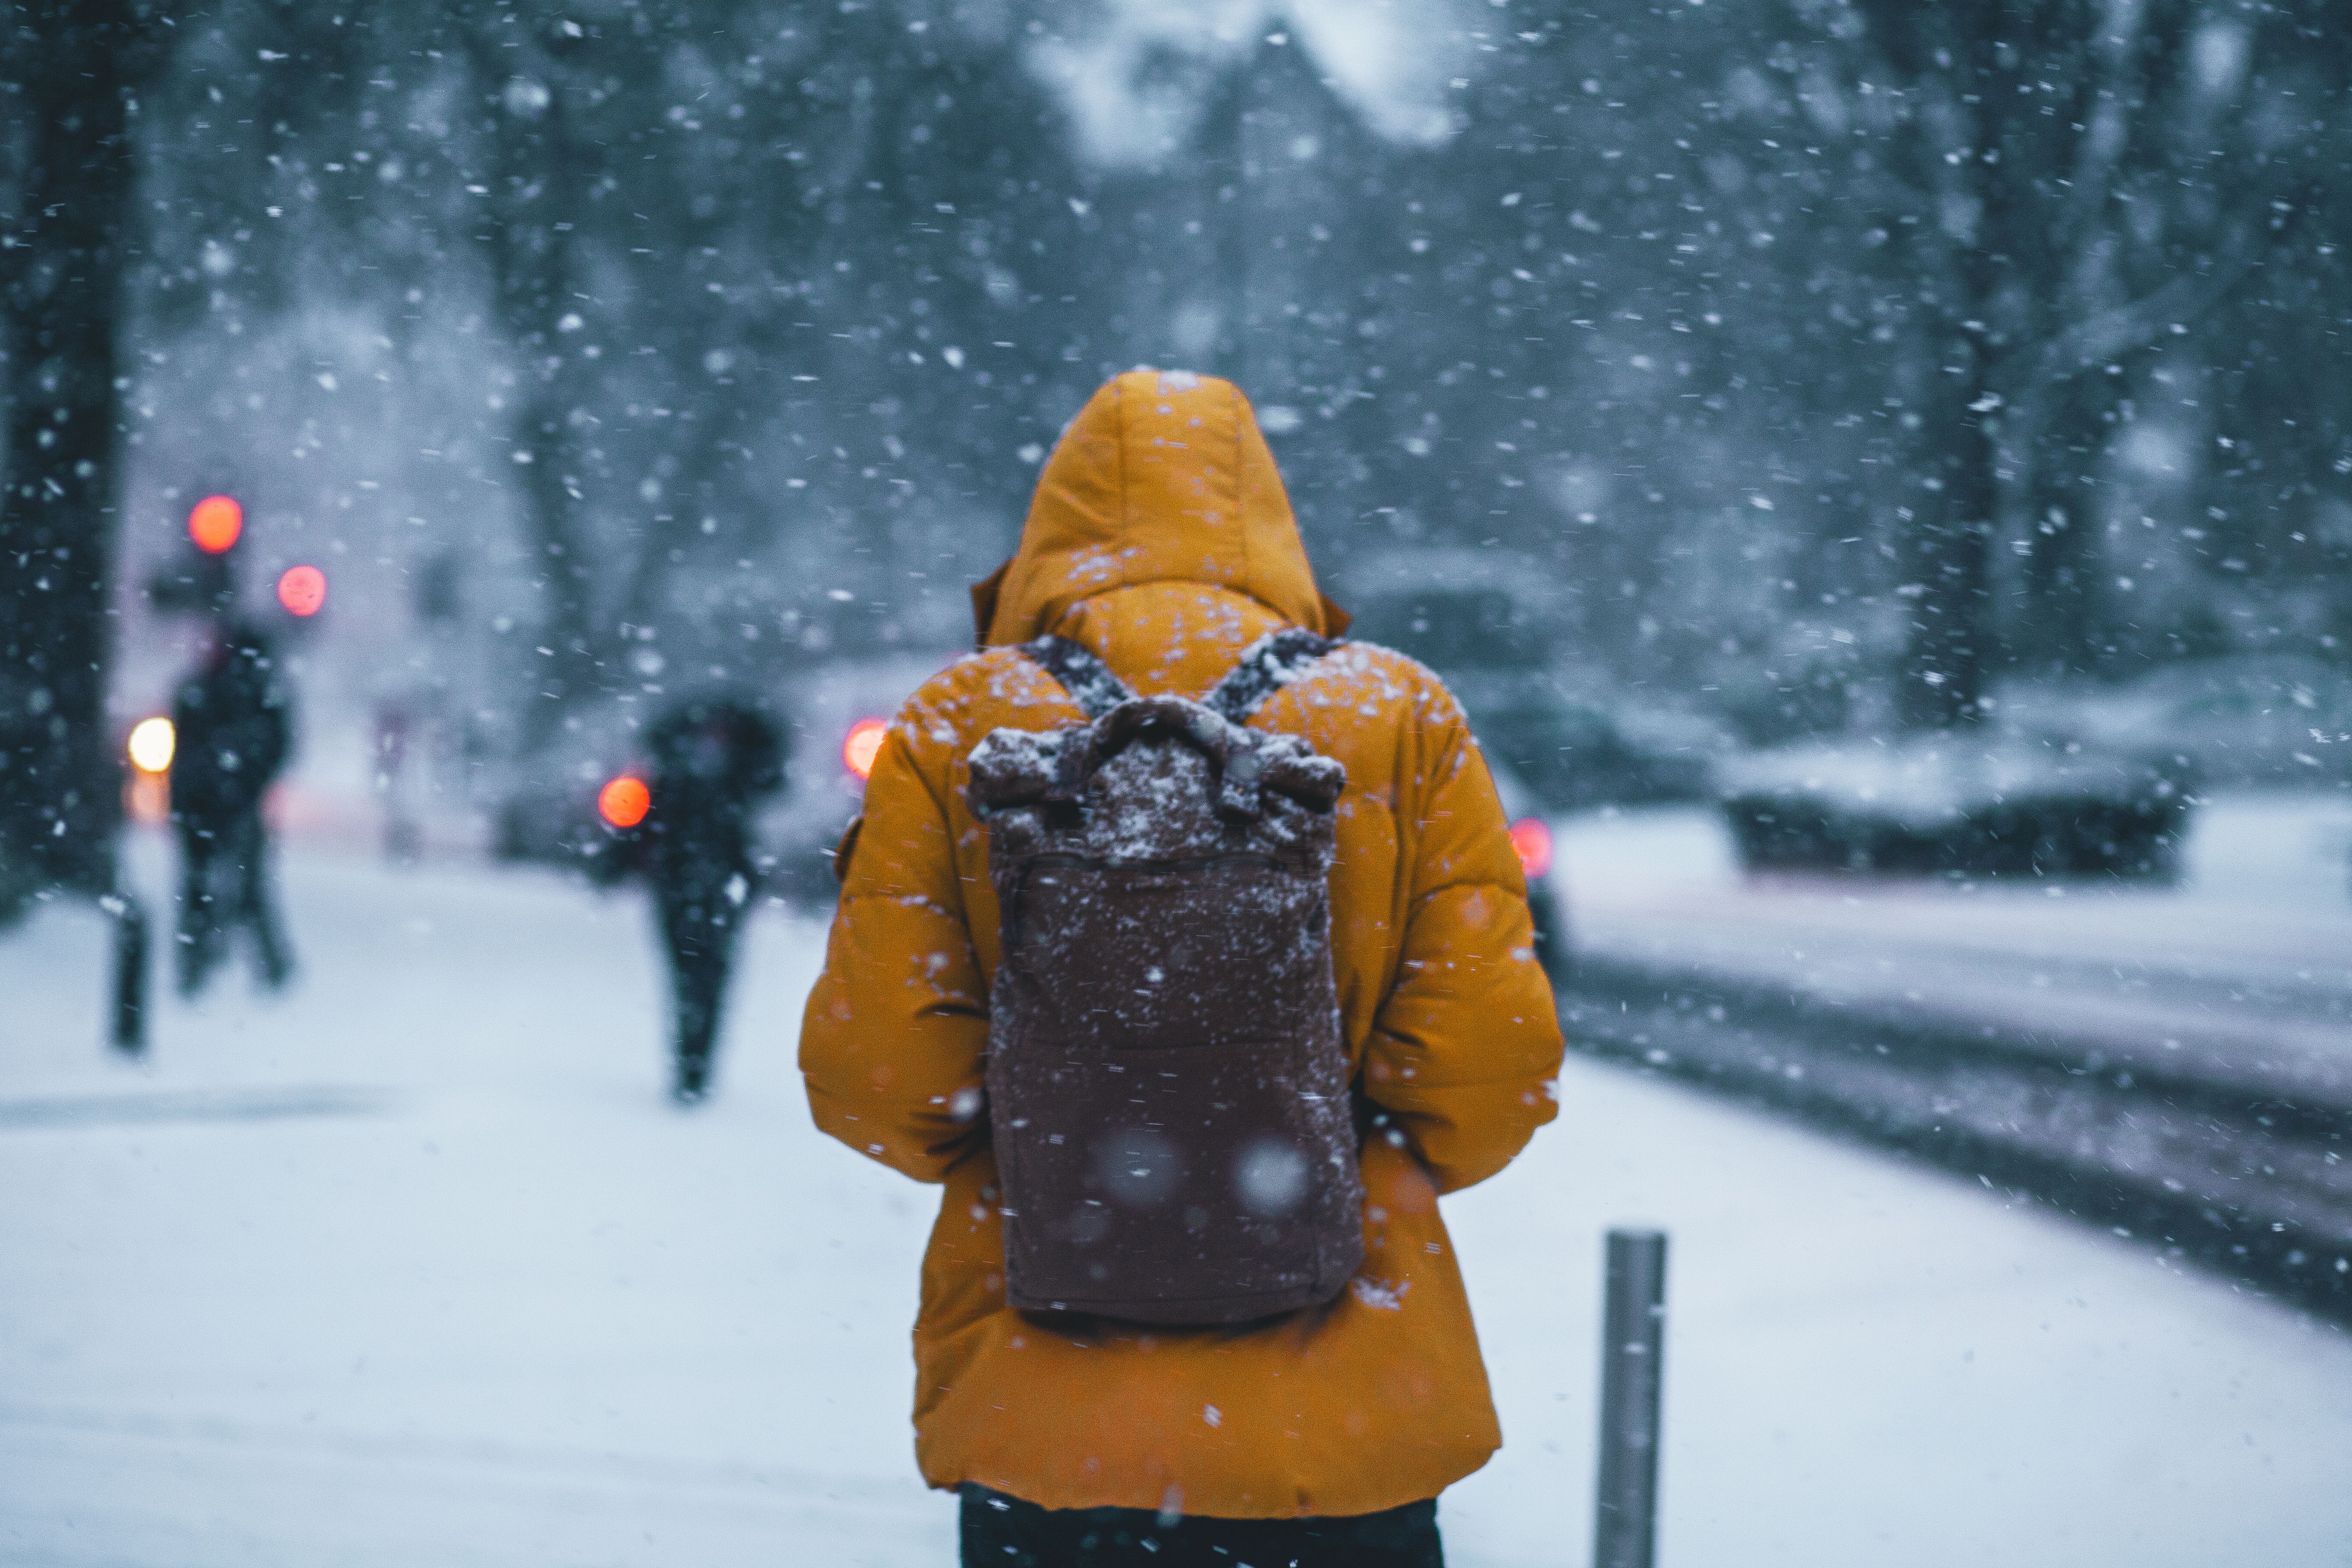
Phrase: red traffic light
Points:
(214, 523)
(302, 590)
(624, 802)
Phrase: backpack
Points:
(1167, 1078)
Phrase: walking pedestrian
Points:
(233, 723)
(714, 759)
(1185, 944)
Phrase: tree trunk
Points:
(1225, 166)
(1944, 665)
(541, 179)
(59, 785)
(2059, 631)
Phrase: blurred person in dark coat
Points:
(234, 726)
(713, 760)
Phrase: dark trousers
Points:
(1000, 1532)
(224, 886)
(698, 925)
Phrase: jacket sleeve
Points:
(893, 1039)
(1467, 1045)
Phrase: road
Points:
(2176, 1063)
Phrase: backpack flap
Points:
(1027, 767)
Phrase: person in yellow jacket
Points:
(1162, 541)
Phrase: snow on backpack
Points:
(1167, 1080)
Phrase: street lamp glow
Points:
(152, 742)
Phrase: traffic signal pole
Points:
(1633, 1347)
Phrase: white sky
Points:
(1390, 60)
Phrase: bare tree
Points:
(76, 68)
(2038, 189)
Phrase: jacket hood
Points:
(1163, 476)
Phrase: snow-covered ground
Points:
(413, 1265)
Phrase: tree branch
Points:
(2128, 327)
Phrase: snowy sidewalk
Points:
(412, 1266)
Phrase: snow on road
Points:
(2265, 899)
(2241, 976)
(413, 1265)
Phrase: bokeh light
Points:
(864, 744)
(152, 742)
(1532, 839)
(302, 590)
(214, 523)
(624, 802)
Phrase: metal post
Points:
(129, 1032)
(1633, 1348)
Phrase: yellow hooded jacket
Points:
(1160, 538)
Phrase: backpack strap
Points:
(1267, 665)
(1087, 679)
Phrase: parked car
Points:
(1532, 838)
(839, 715)
(1491, 638)
(549, 812)
(1974, 802)
(2242, 718)
(546, 811)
